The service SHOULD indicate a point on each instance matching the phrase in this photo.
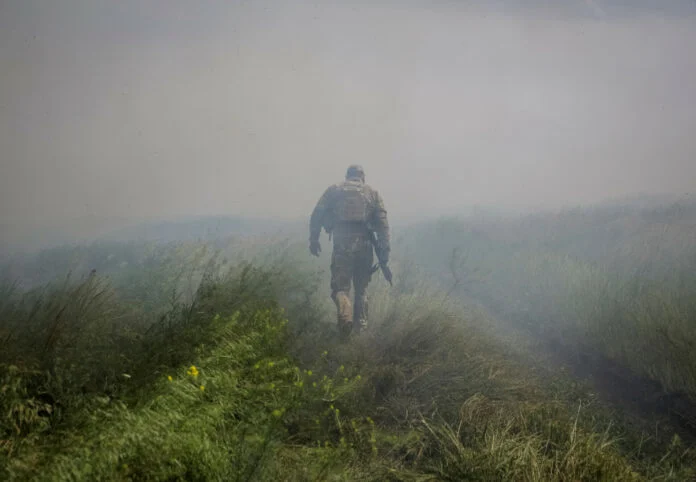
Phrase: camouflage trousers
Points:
(351, 262)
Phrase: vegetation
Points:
(615, 282)
(178, 362)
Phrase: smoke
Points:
(596, 9)
(112, 112)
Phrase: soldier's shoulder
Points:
(333, 188)
(371, 190)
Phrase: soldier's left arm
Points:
(317, 218)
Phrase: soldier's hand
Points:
(315, 248)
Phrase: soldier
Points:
(352, 212)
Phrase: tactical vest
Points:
(352, 204)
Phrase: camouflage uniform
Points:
(349, 211)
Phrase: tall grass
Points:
(244, 379)
(618, 283)
(425, 396)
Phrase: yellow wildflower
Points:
(202, 388)
(192, 371)
(170, 378)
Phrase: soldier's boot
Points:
(360, 311)
(344, 309)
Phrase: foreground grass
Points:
(232, 387)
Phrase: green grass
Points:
(436, 390)
(428, 394)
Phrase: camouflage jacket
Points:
(324, 214)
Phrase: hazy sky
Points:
(136, 109)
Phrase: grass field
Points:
(185, 362)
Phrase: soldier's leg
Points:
(361, 278)
(341, 274)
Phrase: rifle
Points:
(386, 271)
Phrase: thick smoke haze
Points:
(115, 112)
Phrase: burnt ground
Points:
(640, 399)
(624, 389)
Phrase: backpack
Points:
(352, 204)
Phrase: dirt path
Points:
(639, 398)
(623, 389)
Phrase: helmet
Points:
(355, 171)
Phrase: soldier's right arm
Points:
(318, 216)
(380, 222)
